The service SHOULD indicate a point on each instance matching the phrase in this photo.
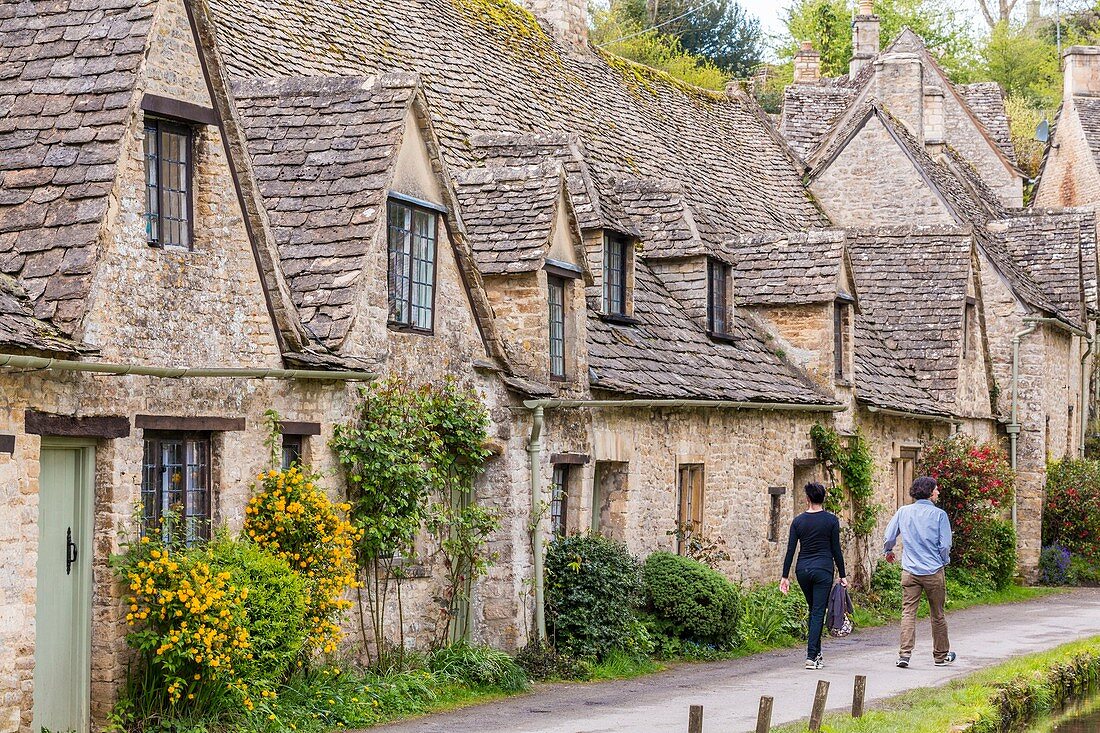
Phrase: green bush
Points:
(1071, 513)
(998, 554)
(593, 586)
(1083, 571)
(769, 617)
(690, 600)
(541, 661)
(275, 607)
(478, 666)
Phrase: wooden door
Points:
(63, 606)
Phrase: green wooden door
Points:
(62, 615)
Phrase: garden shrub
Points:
(292, 518)
(690, 600)
(769, 617)
(997, 552)
(1083, 571)
(975, 482)
(478, 666)
(1071, 514)
(541, 661)
(1054, 565)
(593, 585)
(275, 607)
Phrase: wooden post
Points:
(819, 704)
(764, 717)
(857, 696)
(695, 719)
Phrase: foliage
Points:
(828, 25)
(768, 84)
(478, 666)
(1023, 120)
(292, 518)
(720, 32)
(707, 549)
(857, 469)
(628, 39)
(1071, 514)
(592, 586)
(404, 447)
(996, 551)
(975, 482)
(769, 617)
(1054, 562)
(690, 600)
(542, 661)
(1023, 64)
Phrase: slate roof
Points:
(667, 355)
(487, 66)
(811, 110)
(322, 150)
(1088, 110)
(1058, 251)
(509, 215)
(787, 269)
(881, 379)
(986, 100)
(68, 74)
(912, 283)
(19, 329)
(662, 216)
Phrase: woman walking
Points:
(817, 532)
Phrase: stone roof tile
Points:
(986, 100)
(1088, 110)
(787, 269)
(881, 379)
(19, 329)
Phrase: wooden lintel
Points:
(70, 426)
(189, 424)
(577, 459)
(289, 427)
(177, 109)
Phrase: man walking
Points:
(926, 538)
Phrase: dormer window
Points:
(168, 211)
(718, 300)
(557, 288)
(412, 250)
(616, 264)
(842, 318)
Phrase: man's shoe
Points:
(903, 662)
(819, 662)
(949, 659)
(811, 664)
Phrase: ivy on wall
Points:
(857, 469)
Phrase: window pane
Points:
(614, 273)
(400, 246)
(557, 327)
(717, 308)
(292, 450)
(152, 203)
(558, 500)
(150, 493)
(197, 499)
(423, 267)
(174, 150)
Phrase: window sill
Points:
(405, 328)
(725, 338)
(842, 382)
(619, 318)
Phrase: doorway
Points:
(62, 654)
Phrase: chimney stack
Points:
(865, 29)
(934, 131)
(807, 64)
(900, 87)
(568, 18)
(1082, 70)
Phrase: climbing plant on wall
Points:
(857, 469)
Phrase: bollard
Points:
(695, 719)
(857, 696)
(764, 716)
(819, 704)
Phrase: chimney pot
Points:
(807, 45)
(866, 7)
(865, 37)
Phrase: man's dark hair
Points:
(923, 487)
(815, 492)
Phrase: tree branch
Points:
(986, 14)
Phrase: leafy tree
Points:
(828, 25)
(1022, 63)
(720, 31)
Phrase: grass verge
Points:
(1016, 690)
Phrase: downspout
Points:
(1014, 424)
(99, 367)
(534, 452)
(1089, 340)
(534, 449)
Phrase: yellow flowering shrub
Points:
(292, 518)
(187, 618)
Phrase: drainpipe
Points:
(534, 449)
(1014, 424)
(99, 367)
(534, 452)
(1084, 392)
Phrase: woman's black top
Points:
(818, 533)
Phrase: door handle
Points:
(70, 551)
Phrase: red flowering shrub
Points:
(975, 484)
(1071, 515)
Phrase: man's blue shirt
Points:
(926, 533)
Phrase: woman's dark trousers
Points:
(816, 585)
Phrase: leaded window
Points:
(412, 251)
(717, 297)
(841, 310)
(615, 264)
(557, 327)
(167, 183)
(559, 499)
(175, 487)
(292, 451)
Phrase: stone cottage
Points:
(895, 142)
(1070, 174)
(213, 208)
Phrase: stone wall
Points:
(805, 334)
(873, 183)
(962, 133)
